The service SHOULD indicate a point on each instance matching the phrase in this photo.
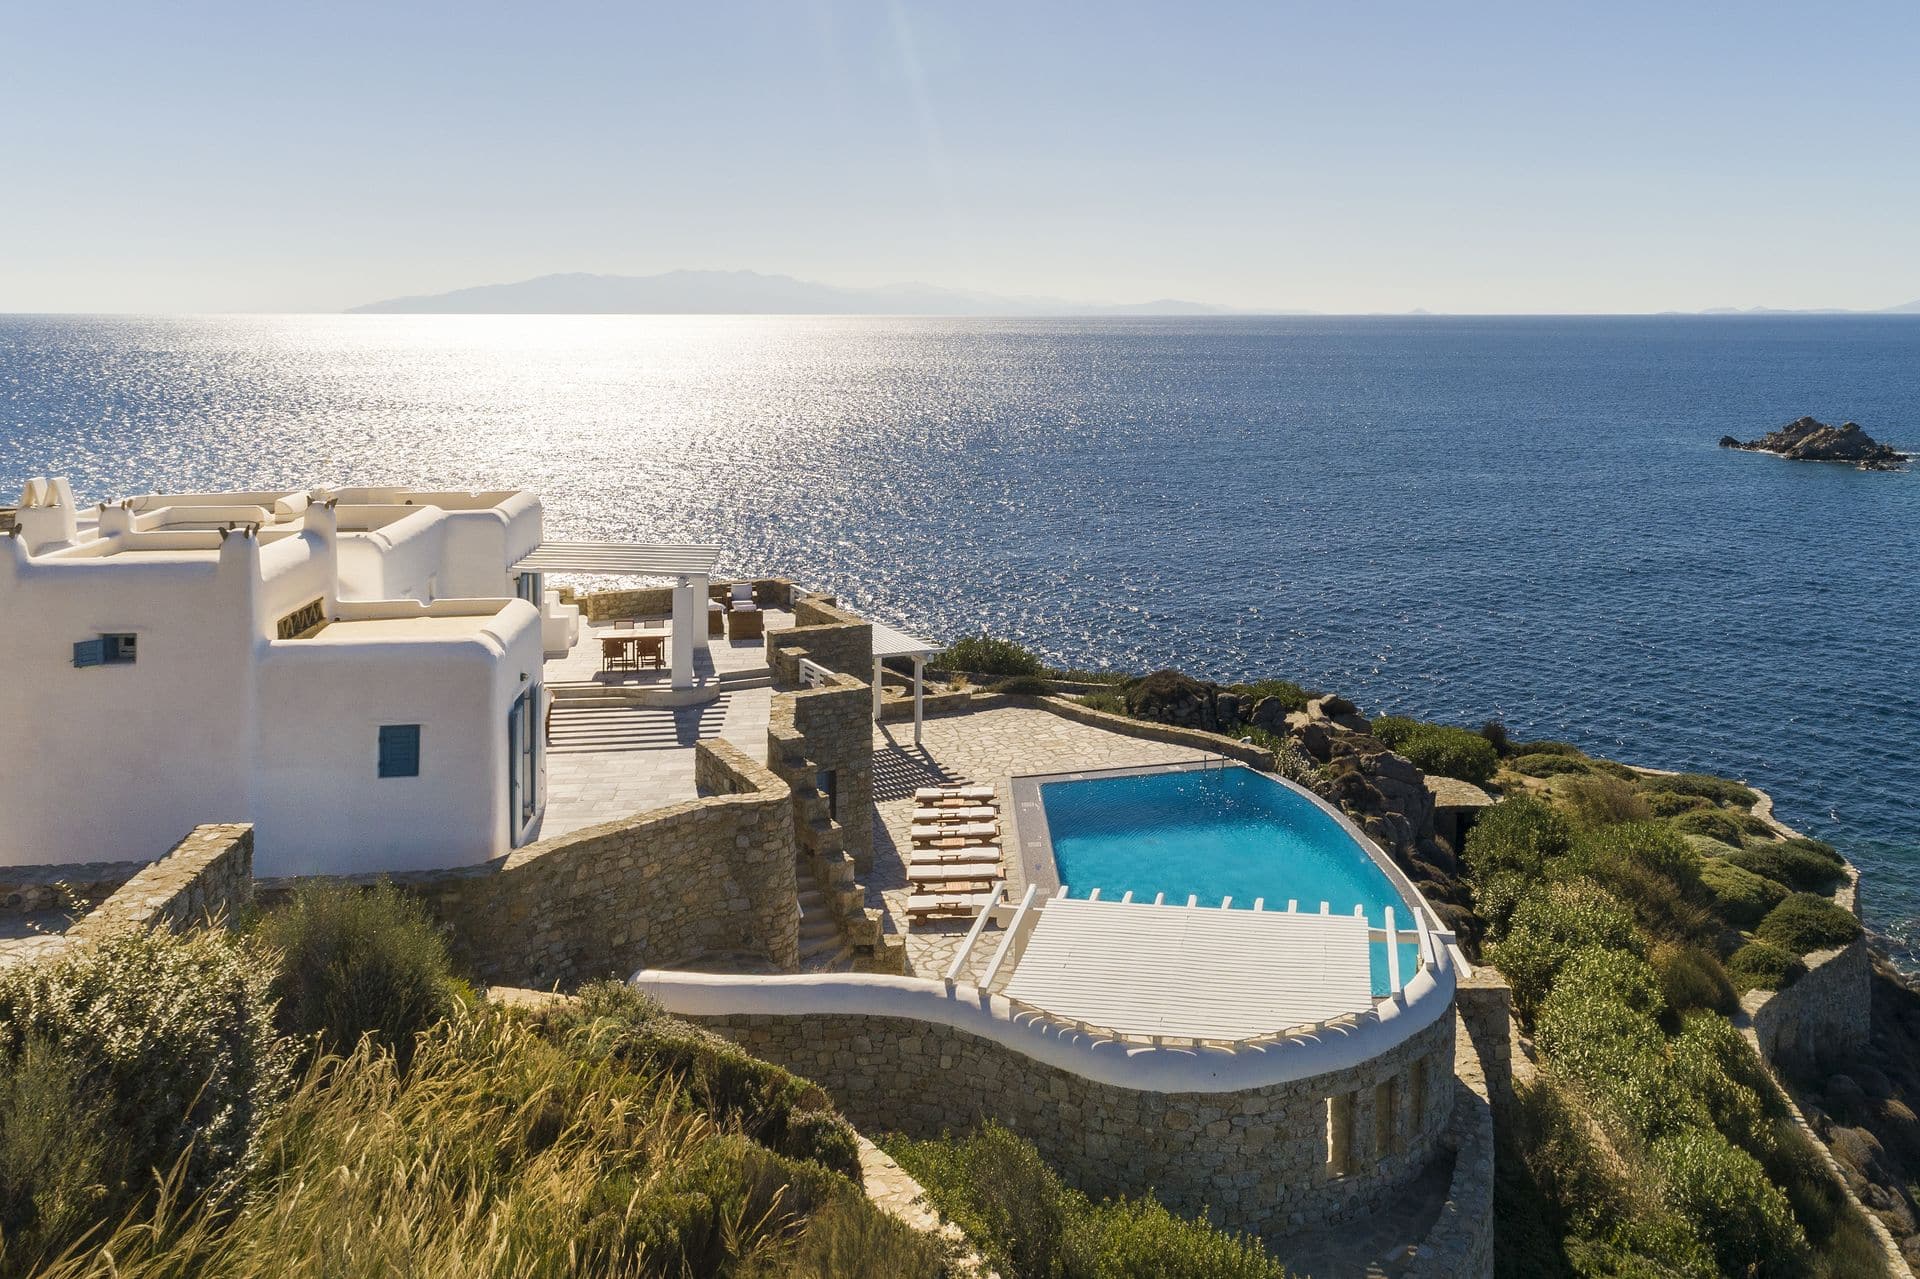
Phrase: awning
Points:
(632, 559)
(888, 642)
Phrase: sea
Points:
(1523, 519)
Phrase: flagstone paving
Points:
(982, 748)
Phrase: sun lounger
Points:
(963, 852)
(966, 832)
(978, 813)
(933, 794)
(976, 869)
(948, 903)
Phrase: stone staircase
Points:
(597, 724)
(823, 942)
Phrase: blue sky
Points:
(1464, 157)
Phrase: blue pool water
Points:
(1214, 834)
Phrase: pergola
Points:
(689, 567)
(888, 642)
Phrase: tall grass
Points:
(501, 1153)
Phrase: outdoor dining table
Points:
(642, 647)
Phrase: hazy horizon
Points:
(1499, 160)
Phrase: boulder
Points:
(1169, 697)
(1270, 715)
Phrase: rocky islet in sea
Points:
(1811, 440)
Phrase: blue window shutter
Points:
(92, 652)
(399, 750)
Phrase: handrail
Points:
(1006, 942)
(973, 934)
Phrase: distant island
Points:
(746, 293)
(1810, 440)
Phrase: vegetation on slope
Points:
(152, 1127)
(1028, 1225)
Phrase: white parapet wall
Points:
(1309, 1126)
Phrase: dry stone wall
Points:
(1273, 1159)
(831, 636)
(709, 879)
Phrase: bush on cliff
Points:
(1713, 823)
(1692, 977)
(1797, 868)
(1549, 928)
(1439, 748)
(1595, 800)
(1284, 691)
(1111, 703)
(1716, 789)
(1028, 1225)
(1671, 803)
(1518, 834)
(357, 961)
(140, 1056)
(1761, 965)
(1538, 765)
(1740, 897)
(988, 655)
(1023, 686)
(1804, 923)
(1743, 1216)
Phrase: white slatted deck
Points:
(1193, 972)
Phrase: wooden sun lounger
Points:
(942, 794)
(948, 903)
(970, 832)
(978, 813)
(937, 856)
(954, 872)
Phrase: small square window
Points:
(399, 750)
(106, 650)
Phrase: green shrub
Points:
(1391, 730)
(1025, 1223)
(1746, 1220)
(1797, 868)
(1692, 978)
(1662, 803)
(1740, 897)
(1496, 897)
(1713, 823)
(1549, 748)
(356, 962)
(1714, 1065)
(172, 1063)
(1599, 975)
(1111, 703)
(1552, 925)
(55, 1155)
(1496, 734)
(1289, 694)
(1717, 789)
(1541, 765)
(1519, 834)
(1804, 923)
(986, 655)
(1140, 1239)
(1024, 686)
(1593, 801)
(1762, 966)
(1617, 1054)
(612, 1021)
(1655, 845)
(1446, 751)
(1815, 848)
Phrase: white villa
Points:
(355, 671)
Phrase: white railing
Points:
(814, 675)
(959, 963)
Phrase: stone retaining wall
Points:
(667, 888)
(1272, 1159)
(836, 639)
(206, 878)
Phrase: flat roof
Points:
(1195, 972)
(362, 630)
(888, 642)
(636, 559)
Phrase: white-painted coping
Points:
(1297, 1054)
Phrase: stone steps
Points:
(576, 726)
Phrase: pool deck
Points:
(987, 748)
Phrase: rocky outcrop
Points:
(1388, 798)
(1809, 440)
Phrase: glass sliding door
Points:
(523, 760)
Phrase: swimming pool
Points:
(1215, 833)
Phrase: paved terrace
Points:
(985, 748)
(608, 762)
